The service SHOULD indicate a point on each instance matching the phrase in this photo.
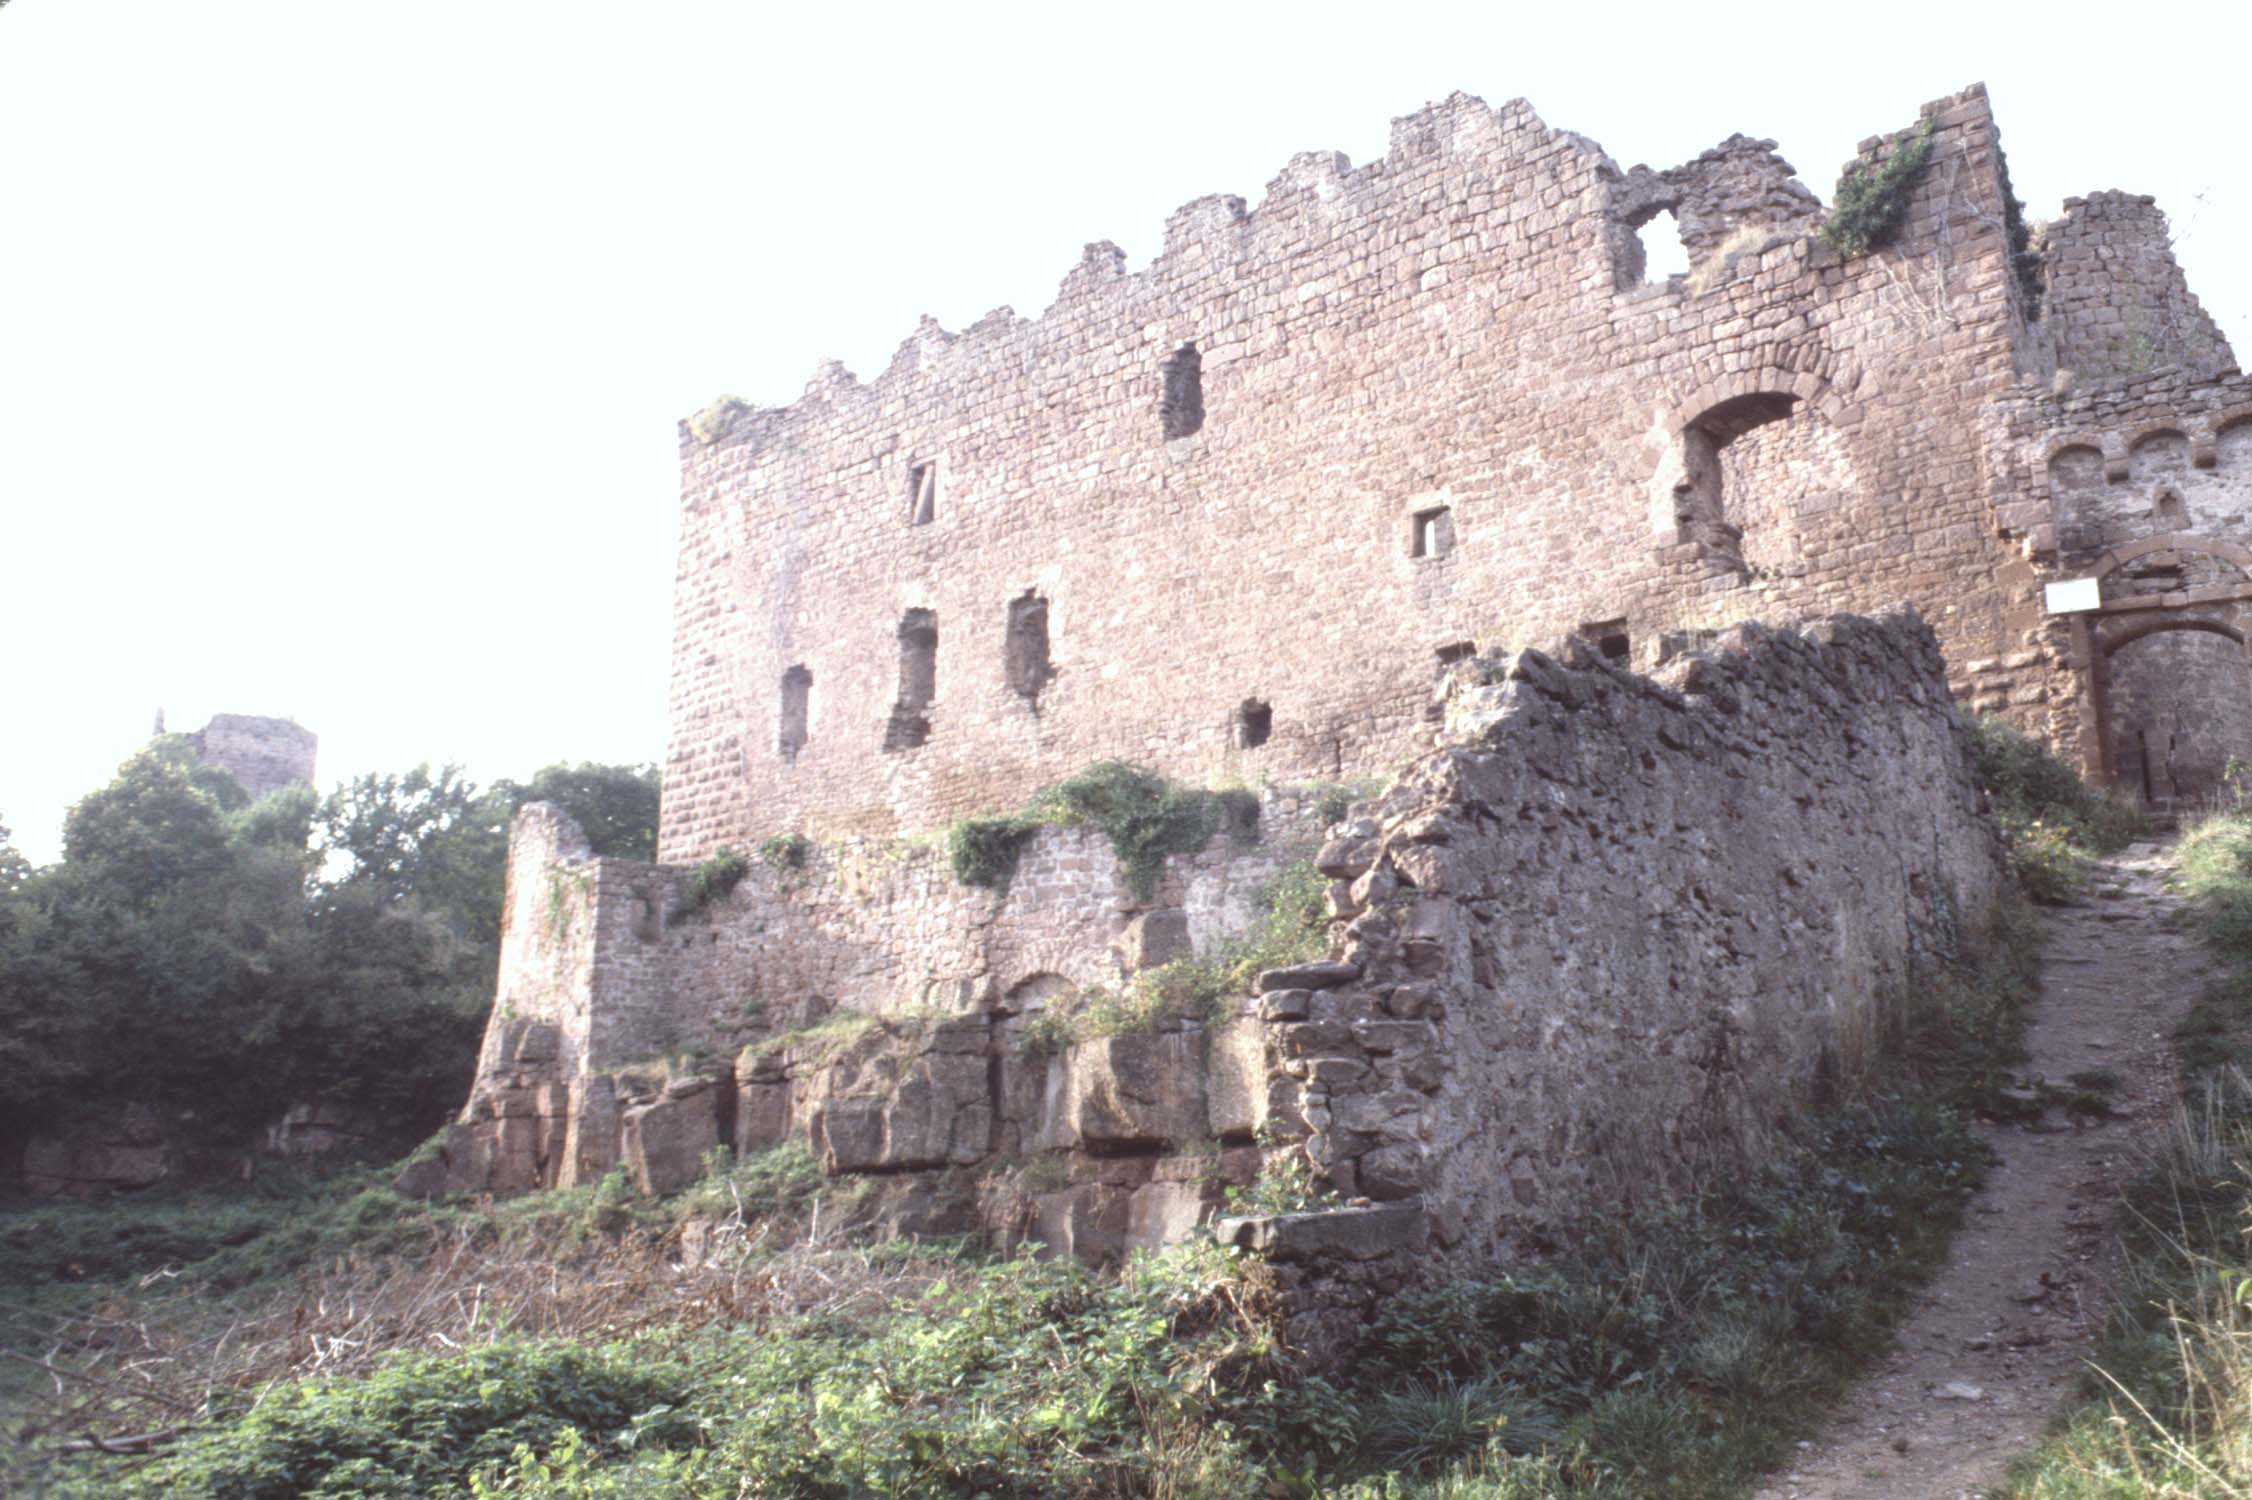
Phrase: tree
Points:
(615, 805)
(434, 839)
(203, 954)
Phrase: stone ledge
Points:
(1342, 1233)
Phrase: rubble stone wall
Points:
(2118, 305)
(1618, 933)
(866, 1003)
(1614, 930)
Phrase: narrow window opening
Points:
(797, 712)
(1180, 402)
(910, 724)
(2171, 511)
(1432, 534)
(1025, 653)
(1457, 651)
(1664, 256)
(1254, 723)
(1610, 639)
(922, 493)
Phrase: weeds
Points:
(2052, 823)
(1873, 200)
(1292, 928)
(785, 851)
(711, 881)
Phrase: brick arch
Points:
(2230, 418)
(2128, 634)
(2141, 435)
(2176, 541)
(2065, 442)
(1769, 380)
(2170, 771)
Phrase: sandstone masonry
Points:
(1613, 931)
(1285, 508)
(1228, 516)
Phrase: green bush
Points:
(1872, 200)
(1145, 817)
(2052, 822)
(420, 1428)
(985, 850)
(785, 851)
(712, 880)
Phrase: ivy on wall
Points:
(1873, 199)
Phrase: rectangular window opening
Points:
(910, 725)
(1610, 639)
(1180, 401)
(797, 712)
(1025, 652)
(922, 493)
(1432, 534)
(1254, 724)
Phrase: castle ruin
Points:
(1284, 509)
(264, 755)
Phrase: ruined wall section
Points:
(1426, 416)
(265, 755)
(2117, 304)
(1627, 929)
(2143, 484)
(866, 1003)
(1617, 932)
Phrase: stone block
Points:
(1352, 1234)
(1155, 937)
(666, 1141)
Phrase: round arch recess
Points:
(2171, 716)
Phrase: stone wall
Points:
(1613, 931)
(1620, 933)
(2118, 305)
(1256, 495)
(264, 755)
(2142, 486)
(865, 1003)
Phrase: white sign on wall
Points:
(2071, 596)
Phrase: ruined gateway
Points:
(1284, 509)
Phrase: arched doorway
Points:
(2178, 709)
(1755, 472)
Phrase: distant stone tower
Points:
(263, 754)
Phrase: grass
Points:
(594, 1343)
(722, 1343)
(2167, 1411)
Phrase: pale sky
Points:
(341, 344)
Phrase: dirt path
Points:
(2002, 1331)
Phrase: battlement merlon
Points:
(1740, 183)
